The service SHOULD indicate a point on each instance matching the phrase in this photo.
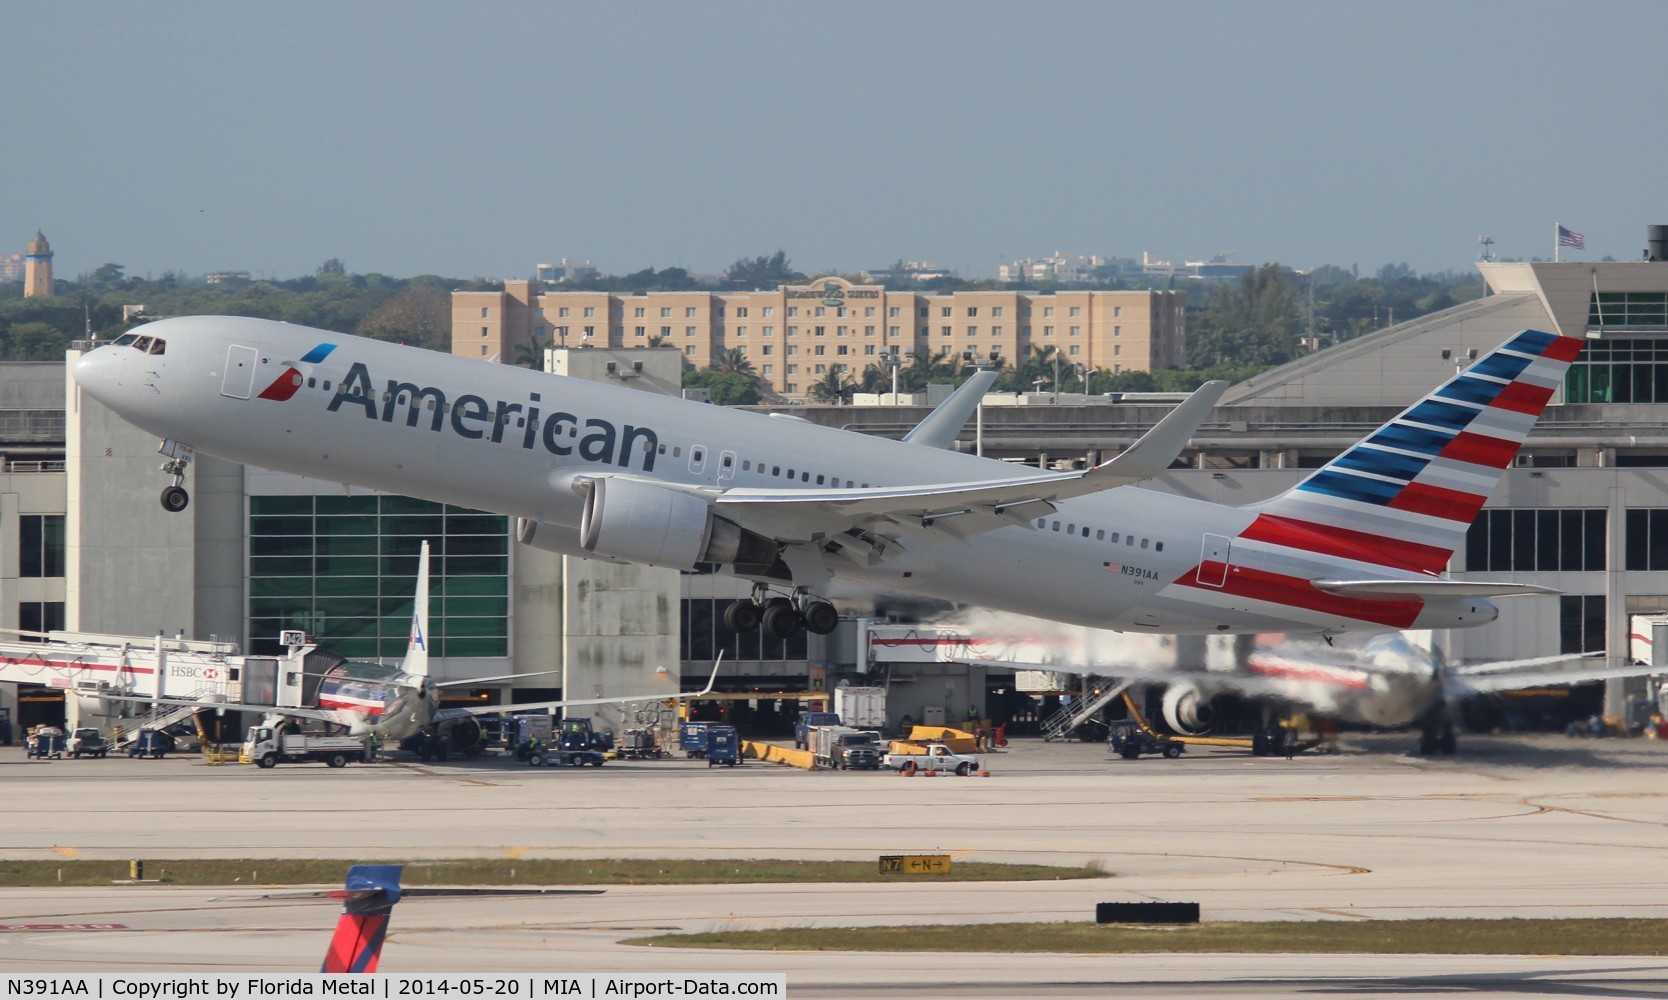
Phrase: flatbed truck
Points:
(266, 748)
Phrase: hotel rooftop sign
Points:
(832, 291)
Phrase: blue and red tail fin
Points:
(372, 891)
(1409, 491)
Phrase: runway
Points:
(1509, 827)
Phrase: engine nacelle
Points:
(1187, 711)
(643, 523)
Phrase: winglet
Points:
(1159, 447)
(939, 428)
(372, 891)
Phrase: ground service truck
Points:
(861, 707)
(937, 757)
(844, 748)
(267, 747)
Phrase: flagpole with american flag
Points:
(1562, 238)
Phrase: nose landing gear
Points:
(178, 455)
(174, 497)
(781, 617)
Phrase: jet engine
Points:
(640, 522)
(1187, 711)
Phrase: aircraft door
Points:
(1213, 560)
(726, 466)
(239, 380)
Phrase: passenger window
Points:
(1100, 534)
(1085, 531)
(312, 383)
(1042, 522)
(326, 385)
(677, 451)
(790, 473)
(1056, 525)
(819, 479)
(1130, 540)
(1143, 543)
(1158, 546)
(776, 470)
(1114, 538)
(747, 465)
(1071, 529)
(804, 477)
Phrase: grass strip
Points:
(1369, 937)
(521, 871)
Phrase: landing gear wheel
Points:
(175, 499)
(743, 617)
(820, 617)
(781, 621)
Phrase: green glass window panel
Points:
(498, 606)
(390, 649)
(347, 607)
(280, 607)
(280, 526)
(1577, 386)
(426, 527)
(401, 568)
(476, 565)
(281, 505)
(473, 586)
(410, 546)
(473, 647)
(346, 586)
(409, 505)
(397, 626)
(478, 545)
(281, 586)
(363, 648)
(347, 545)
(345, 505)
(403, 606)
(472, 627)
(280, 545)
(346, 566)
(280, 566)
(346, 525)
(475, 524)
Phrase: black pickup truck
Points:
(1129, 741)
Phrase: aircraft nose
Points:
(94, 373)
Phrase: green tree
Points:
(1254, 321)
(531, 354)
(732, 360)
(724, 388)
(420, 315)
(333, 266)
(766, 271)
(833, 387)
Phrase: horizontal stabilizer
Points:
(1431, 589)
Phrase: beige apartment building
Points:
(795, 334)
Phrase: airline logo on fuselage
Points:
(473, 417)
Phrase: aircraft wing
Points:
(957, 510)
(449, 714)
(1515, 675)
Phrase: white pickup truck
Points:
(937, 758)
(268, 748)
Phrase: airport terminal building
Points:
(85, 545)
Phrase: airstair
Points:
(161, 717)
(1099, 693)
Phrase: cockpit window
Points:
(158, 345)
(142, 345)
(126, 338)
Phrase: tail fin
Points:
(1407, 493)
(416, 662)
(372, 891)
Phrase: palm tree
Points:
(832, 387)
(531, 354)
(732, 360)
(923, 368)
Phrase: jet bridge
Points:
(111, 680)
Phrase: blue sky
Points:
(479, 139)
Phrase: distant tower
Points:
(37, 268)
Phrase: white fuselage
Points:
(514, 441)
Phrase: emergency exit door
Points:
(1213, 560)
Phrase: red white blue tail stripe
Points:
(1405, 496)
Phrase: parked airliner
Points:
(396, 702)
(606, 472)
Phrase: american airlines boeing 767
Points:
(605, 472)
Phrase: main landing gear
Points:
(781, 617)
